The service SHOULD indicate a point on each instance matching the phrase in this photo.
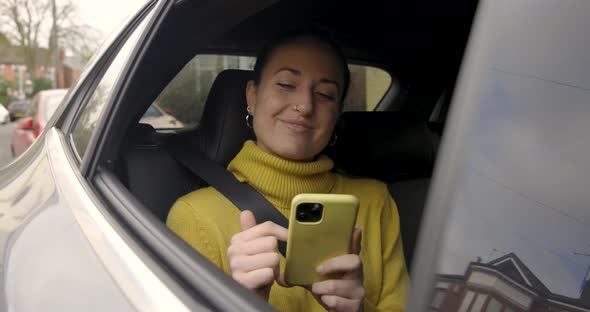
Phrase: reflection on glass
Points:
(90, 116)
(519, 227)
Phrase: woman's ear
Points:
(251, 95)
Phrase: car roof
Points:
(422, 46)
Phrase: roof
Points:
(10, 54)
(511, 266)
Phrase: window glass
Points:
(368, 85)
(153, 112)
(184, 97)
(51, 104)
(89, 118)
(519, 220)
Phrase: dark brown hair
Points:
(265, 54)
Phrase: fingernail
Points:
(320, 269)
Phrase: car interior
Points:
(420, 44)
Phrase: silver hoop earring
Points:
(248, 121)
(248, 115)
(335, 140)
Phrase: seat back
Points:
(155, 177)
(393, 147)
(223, 130)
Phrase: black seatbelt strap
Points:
(242, 195)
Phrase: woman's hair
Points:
(266, 53)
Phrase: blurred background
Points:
(44, 45)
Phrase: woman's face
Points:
(297, 102)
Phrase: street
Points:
(5, 133)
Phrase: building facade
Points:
(502, 285)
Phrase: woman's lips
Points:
(297, 126)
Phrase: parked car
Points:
(159, 119)
(495, 219)
(4, 114)
(17, 109)
(28, 128)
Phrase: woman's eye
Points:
(326, 96)
(285, 85)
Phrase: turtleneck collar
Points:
(278, 179)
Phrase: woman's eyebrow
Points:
(324, 80)
(298, 73)
(289, 69)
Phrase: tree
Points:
(28, 22)
(40, 84)
(22, 20)
(5, 87)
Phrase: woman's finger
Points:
(343, 264)
(255, 262)
(355, 245)
(267, 228)
(253, 247)
(351, 289)
(335, 303)
(255, 279)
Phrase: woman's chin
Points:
(293, 152)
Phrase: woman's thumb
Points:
(247, 220)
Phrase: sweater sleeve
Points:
(184, 220)
(395, 275)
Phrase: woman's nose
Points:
(305, 102)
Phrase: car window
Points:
(368, 85)
(517, 236)
(89, 118)
(153, 112)
(184, 97)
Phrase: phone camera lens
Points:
(309, 212)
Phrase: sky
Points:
(524, 187)
(106, 15)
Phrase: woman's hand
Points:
(253, 254)
(346, 293)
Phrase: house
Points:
(502, 285)
(13, 68)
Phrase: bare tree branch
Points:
(25, 23)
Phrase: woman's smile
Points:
(297, 126)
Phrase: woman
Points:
(299, 85)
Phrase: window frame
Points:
(80, 95)
(185, 267)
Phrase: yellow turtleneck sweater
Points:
(207, 220)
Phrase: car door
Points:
(508, 224)
(60, 252)
(24, 131)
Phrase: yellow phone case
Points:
(311, 243)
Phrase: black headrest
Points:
(389, 146)
(222, 130)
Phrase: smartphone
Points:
(320, 228)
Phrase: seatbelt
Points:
(242, 195)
